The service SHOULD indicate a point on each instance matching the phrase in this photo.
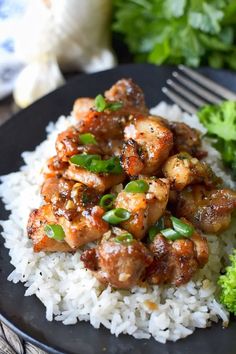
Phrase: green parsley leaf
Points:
(220, 119)
(178, 31)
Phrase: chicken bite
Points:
(208, 210)
(38, 219)
(104, 125)
(100, 182)
(145, 208)
(176, 262)
(182, 169)
(186, 139)
(154, 142)
(118, 263)
(81, 107)
(54, 167)
(129, 93)
(75, 206)
(87, 226)
(132, 158)
(68, 144)
(67, 197)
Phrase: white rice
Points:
(70, 293)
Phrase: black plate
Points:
(26, 315)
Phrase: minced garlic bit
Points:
(124, 276)
(152, 306)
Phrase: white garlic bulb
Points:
(74, 32)
(36, 80)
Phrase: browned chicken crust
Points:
(122, 265)
(176, 262)
(38, 219)
(209, 210)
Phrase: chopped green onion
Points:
(87, 138)
(55, 231)
(138, 186)
(107, 201)
(95, 164)
(84, 160)
(153, 231)
(114, 106)
(182, 228)
(115, 216)
(124, 238)
(111, 165)
(101, 104)
(171, 234)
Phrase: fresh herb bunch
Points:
(191, 32)
(220, 121)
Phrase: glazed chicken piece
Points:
(176, 262)
(208, 210)
(104, 125)
(74, 205)
(186, 139)
(82, 106)
(100, 182)
(67, 197)
(132, 158)
(145, 208)
(154, 143)
(38, 219)
(86, 227)
(68, 144)
(54, 167)
(183, 169)
(119, 264)
(109, 124)
(129, 93)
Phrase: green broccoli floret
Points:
(227, 283)
(220, 121)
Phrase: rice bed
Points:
(70, 293)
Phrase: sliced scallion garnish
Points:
(87, 138)
(95, 164)
(171, 234)
(107, 201)
(55, 231)
(115, 216)
(111, 165)
(153, 231)
(124, 238)
(179, 226)
(101, 104)
(138, 186)
(84, 160)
